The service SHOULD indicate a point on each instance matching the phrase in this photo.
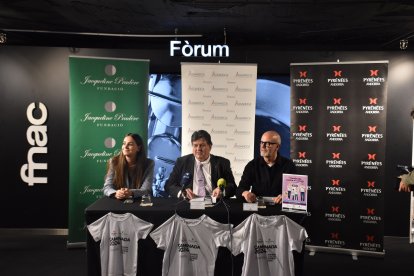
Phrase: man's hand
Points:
(249, 196)
(278, 199)
(189, 194)
(216, 193)
(404, 187)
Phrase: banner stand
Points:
(354, 253)
(75, 245)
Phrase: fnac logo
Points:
(303, 74)
(373, 101)
(371, 184)
(370, 211)
(337, 73)
(335, 182)
(372, 156)
(373, 73)
(372, 129)
(337, 100)
(302, 101)
(302, 154)
(336, 128)
(336, 155)
(302, 128)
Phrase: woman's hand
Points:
(123, 193)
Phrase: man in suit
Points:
(196, 174)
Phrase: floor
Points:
(47, 255)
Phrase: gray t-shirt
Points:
(190, 245)
(267, 243)
(119, 235)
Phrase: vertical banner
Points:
(108, 99)
(338, 126)
(221, 99)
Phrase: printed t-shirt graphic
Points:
(267, 243)
(190, 245)
(119, 235)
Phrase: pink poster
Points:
(295, 192)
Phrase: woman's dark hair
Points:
(201, 134)
(120, 165)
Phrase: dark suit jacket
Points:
(220, 168)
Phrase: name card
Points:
(197, 205)
(250, 207)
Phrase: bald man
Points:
(264, 173)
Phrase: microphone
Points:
(222, 183)
(185, 182)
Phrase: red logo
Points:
(302, 127)
(338, 73)
(302, 101)
(335, 209)
(336, 155)
(302, 154)
(370, 238)
(302, 74)
(371, 184)
(373, 100)
(336, 128)
(370, 211)
(335, 182)
(372, 128)
(337, 100)
(372, 156)
(335, 236)
(374, 73)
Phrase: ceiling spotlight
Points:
(403, 44)
(3, 38)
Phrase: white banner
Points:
(221, 99)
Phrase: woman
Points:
(130, 173)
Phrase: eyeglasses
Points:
(267, 144)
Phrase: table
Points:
(150, 257)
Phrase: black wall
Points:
(41, 74)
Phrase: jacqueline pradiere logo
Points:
(373, 79)
(335, 187)
(369, 243)
(373, 107)
(336, 134)
(338, 79)
(371, 163)
(112, 83)
(337, 107)
(335, 214)
(372, 134)
(369, 190)
(370, 217)
(302, 79)
(335, 162)
(302, 133)
(302, 106)
(101, 156)
(302, 160)
(109, 120)
(334, 240)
